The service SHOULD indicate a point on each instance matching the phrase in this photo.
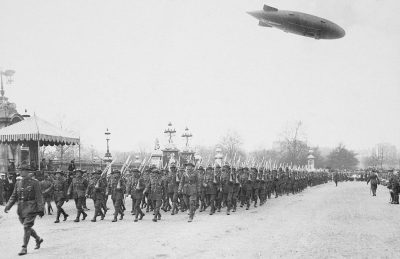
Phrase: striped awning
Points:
(37, 129)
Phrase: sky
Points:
(133, 66)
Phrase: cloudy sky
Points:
(133, 66)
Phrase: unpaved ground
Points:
(322, 222)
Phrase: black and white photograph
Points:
(199, 129)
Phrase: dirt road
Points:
(322, 222)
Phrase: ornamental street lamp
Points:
(187, 134)
(8, 74)
(170, 131)
(107, 156)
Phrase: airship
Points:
(298, 23)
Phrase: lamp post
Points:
(170, 131)
(8, 74)
(107, 156)
(187, 134)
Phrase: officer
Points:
(78, 190)
(135, 189)
(60, 187)
(117, 187)
(30, 204)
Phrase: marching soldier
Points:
(97, 190)
(117, 189)
(135, 189)
(236, 187)
(60, 187)
(202, 190)
(263, 188)
(156, 185)
(172, 187)
(30, 204)
(226, 187)
(190, 186)
(248, 187)
(211, 188)
(78, 190)
(256, 185)
(47, 191)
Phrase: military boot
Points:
(37, 238)
(77, 217)
(24, 251)
(155, 218)
(58, 217)
(65, 215)
(141, 215)
(115, 219)
(27, 235)
(173, 208)
(84, 215)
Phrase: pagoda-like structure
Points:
(170, 150)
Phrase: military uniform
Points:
(256, 185)
(157, 187)
(28, 194)
(373, 178)
(227, 188)
(172, 188)
(236, 188)
(117, 189)
(60, 188)
(189, 185)
(135, 189)
(47, 192)
(97, 191)
(78, 191)
(211, 188)
(248, 187)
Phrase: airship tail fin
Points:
(263, 24)
(267, 8)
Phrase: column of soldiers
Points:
(176, 189)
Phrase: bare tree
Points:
(293, 146)
(231, 145)
(384, 155)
